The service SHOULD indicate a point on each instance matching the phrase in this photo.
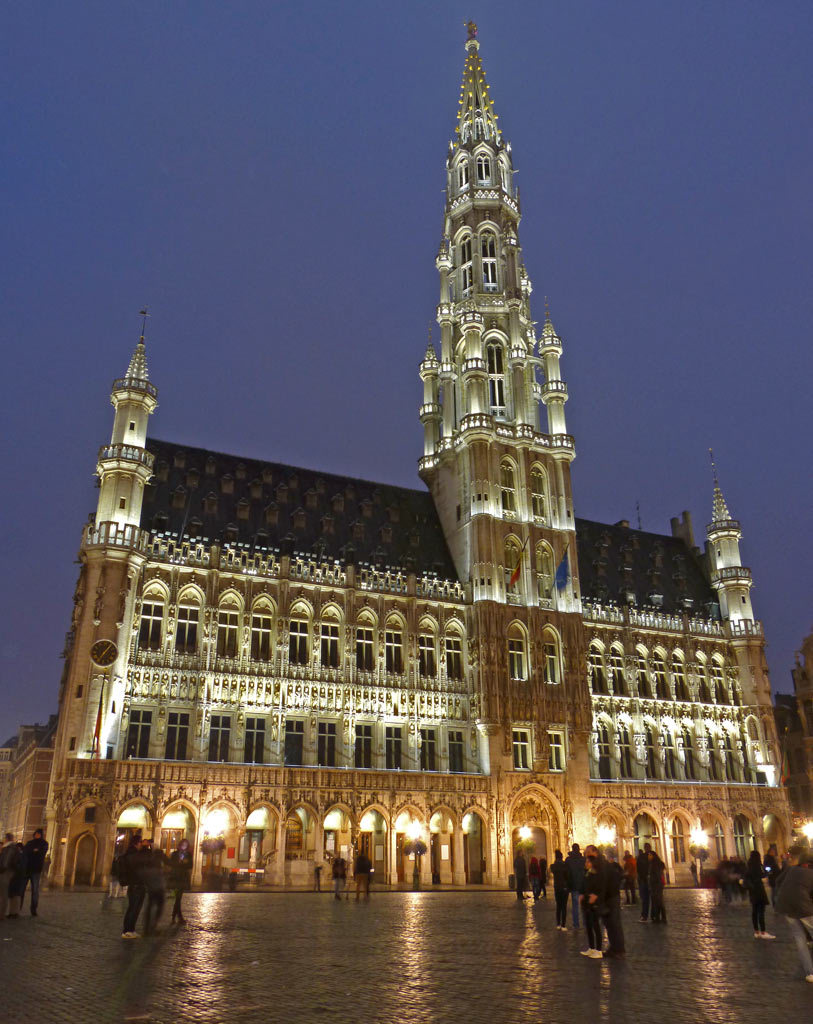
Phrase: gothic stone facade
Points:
(283, 665)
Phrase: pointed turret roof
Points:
(137, 370)
(720, 513)
(476, 118)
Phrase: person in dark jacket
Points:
(543, 875)
(16, 886)
(642, 871)
(154, 873)
(520, 874)
(593, 904)
(558, 871)
(612, 897)
(131, 875)
(771, 865)
(535, 878)
(754, 873)
(794, 899)
(574, 862)
(180, 878)
(361, 873)
(656, 868)
(36, 850)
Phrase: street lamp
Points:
(417, 848)
(807, 831)
(606, 836)
(699, 846)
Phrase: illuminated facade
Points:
(283, 664)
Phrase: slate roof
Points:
(293, 510)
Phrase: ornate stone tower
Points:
(111, 554)
(499, 477)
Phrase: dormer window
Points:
(488, 256)
(227, 484)
(483, 169)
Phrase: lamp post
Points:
(699, 848)
(807, 832)
(417, 848)
(606, 837)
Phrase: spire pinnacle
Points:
(476, 118)
(720, 511)
(137, 370)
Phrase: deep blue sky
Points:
(267, 177)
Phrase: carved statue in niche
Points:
(99, 603)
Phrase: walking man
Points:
(612, 899)
(642, 867)
(36, 850)
(361, 870)
(131, 875)
(794, 900)
(520, 874)
(339, 872)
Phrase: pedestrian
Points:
(754, 873)
(794, 899)
(339, 873)
(630, 876)
(543, 876)
(180, 877)
(558, 872)
(154, 862)
(317, 877)
(656, 887)
(593, 905)
(131, 875)
(642, 874)
(520, 873)
(771, 864)
(16, 885)
(535, 878)
(361, 872)
(612, 916)
(574, 862)
(115, 889)
(36, 850)
(693, 870)
(8, 853)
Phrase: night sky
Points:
(268, 178)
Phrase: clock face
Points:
(104, 653)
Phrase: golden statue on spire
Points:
(471, 28)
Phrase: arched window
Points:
(427, 650)
(605, 769)
(539, 493)
(483, 169)
(511, 558)
(669, 755)
(508, 488)
(719, 691)
(454, 655)
(186, 631)
(299, 636)
(262, 631)
(462, 174)
(544, 571)
(719, 841)
(365, 642)
(466, 272)
(651, 754)
(496, 379)
(150, 632)
(625, 752)
(329, 639)
(678, 841)
(517, 653)
(488, 258)
(642, 673)
(615, 664)
(732, 766)
(228, 628)
(743, 837)
(394, 646)
(659, 675)
(688, 755)
(595, 665)
(679, 679)
(703, 692)
(551, 653)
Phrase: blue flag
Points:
(562, 573)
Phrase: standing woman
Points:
(754, 873)
(593, 905)
(558, 871)
(180, 877)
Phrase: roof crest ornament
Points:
(720, 511)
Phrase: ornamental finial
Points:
(471, 28)
(143, 313)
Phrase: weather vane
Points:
(143, 312)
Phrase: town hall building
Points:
(283, 665)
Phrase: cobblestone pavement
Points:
(406, 957)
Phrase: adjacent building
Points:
(26, 761)
(282, 664)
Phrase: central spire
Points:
(476, 118)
